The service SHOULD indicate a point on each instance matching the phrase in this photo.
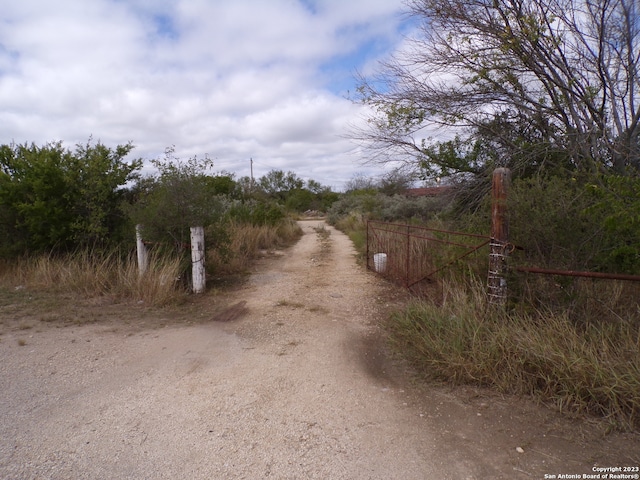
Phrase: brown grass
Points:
(589, 368)
(92, 274)
(247, 242)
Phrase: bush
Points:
(572, 224)
(386, 208)
(258, 213)
(246, 241)
(54, 199)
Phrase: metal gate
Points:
(410, 255)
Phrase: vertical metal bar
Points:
(408, 265)
(367, 251)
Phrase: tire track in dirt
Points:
(291, 382)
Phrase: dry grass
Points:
(246, 243)
(92, 274)
(588, 368)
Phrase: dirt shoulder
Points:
(284, 377)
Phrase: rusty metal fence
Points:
(411, 255)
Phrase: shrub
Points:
(54, 199)
(386, 208)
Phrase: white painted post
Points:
(143, 257)
(197, 259)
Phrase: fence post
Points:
(197, 259)
(367, 252)
(141, 249)
(408, 263)
(497, 283)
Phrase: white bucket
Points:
(380, 262)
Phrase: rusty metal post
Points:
(408, 264)
(498, 253)
(367, 252)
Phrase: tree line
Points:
(56, 199)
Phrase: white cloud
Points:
(231, 79)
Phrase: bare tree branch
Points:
(560, 74)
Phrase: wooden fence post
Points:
(497, 283)
(141, 249)
(197, 259)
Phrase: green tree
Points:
(100, 176)
(54, 199)
(180, 196)
(278, 184)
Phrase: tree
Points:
(395, 182)
(534, 81)
(55, 199)
(181, 196)
(99, 175)
(360, 183)
(277, 183)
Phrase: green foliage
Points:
(590, 223)
(180, 197)
(290, 191)
(385, 208)
(453, 157)
(257, 213)
(300, 200)
(277, 183)
(617, 203)
(222, 184)
(54, 199)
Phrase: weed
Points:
(322, 232)
(587, 369)
(93, 274)
(247, 240)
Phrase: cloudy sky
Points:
(231, 79)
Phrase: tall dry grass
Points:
(96, 274)
(588, 368)
(247, 241)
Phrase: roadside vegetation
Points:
(571, 343)
(547, 89)
(67, 220)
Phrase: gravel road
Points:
(291, 382)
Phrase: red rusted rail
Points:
(572, 273)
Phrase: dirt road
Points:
(290, 382)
